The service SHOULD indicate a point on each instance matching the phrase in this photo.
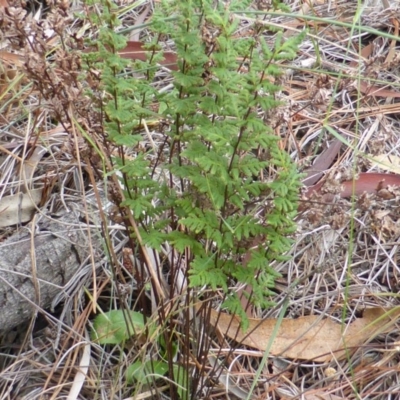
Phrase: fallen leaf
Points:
(136, 51)
(11, 59)
(386, 162)
(365, 54)
(19, 207)
(309, 337)
(373, 90)
(322, 163)
(373, 322)
(366, 182)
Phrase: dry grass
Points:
(345, 255)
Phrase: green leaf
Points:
(181, 241)
(186, 80)
(233, 305)
(154, 239)
(206, 272)
(141, 371)
(181, 379)
(116, 326)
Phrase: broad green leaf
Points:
(111, 327)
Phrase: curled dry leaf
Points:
(310, 337)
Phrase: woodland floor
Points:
(340, 123)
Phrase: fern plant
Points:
(216, 134)
(202, 191)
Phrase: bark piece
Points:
(59, 248)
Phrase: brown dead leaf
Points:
(11, 59)
(322, 163)
(365, 53)
(136, 51)
(373, 90)
(366, 183)
(374, 321)
(309, 337)
(369, 183)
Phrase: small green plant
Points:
(119, 327)
(201, 191)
